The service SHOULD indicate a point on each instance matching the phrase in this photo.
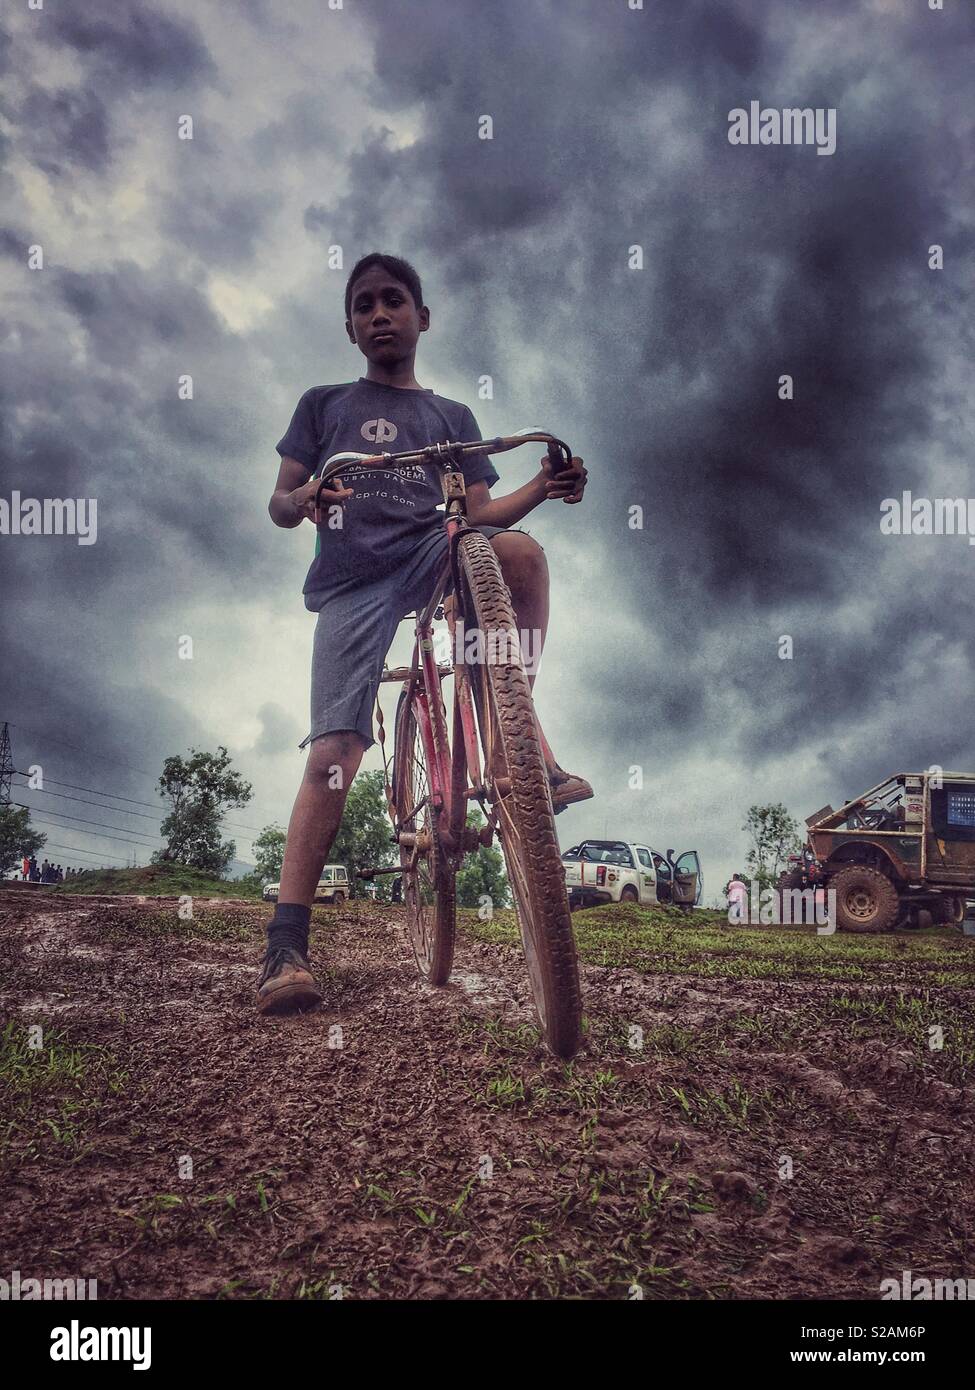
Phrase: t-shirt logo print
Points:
(379, 431)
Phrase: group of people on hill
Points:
(32, 872)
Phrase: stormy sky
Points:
(357, 127)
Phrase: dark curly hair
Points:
(396, 266)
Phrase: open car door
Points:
(664, 877)
(688, 881)
(951, 833)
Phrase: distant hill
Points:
(238, 869)
(156, 880)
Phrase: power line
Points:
(102, 757)
(119, 810)
(147, 843)
(85, 801)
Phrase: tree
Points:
(774, 835)
(365, 836)
(269, 853)
(17, 840)
(200, 789)
(482, 874)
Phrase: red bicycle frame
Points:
(453, 783)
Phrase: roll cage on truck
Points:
(902, 854)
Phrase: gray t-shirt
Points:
(391, 511)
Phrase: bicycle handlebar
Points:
(446, 455)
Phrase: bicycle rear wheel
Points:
(428, 880)
(526, 821)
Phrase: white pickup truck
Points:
(614, 871)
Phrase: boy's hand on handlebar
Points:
(569, 485)
(303, 498)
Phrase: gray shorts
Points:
(357, 622)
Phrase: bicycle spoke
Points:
(428, 882)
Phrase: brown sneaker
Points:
(567, 788)
(286, 984)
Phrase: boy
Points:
(379, 565)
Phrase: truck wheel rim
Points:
(860, 903)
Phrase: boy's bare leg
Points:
(525, 571)
(286, 984)
(333, 761)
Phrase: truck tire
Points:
(866, 900)
(948, 910)
(629, 895)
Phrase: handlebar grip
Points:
(325, 486)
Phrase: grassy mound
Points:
(665, 941)
(158, 880)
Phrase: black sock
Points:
(289, 927)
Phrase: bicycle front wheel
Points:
(526, 821)
(428, 879)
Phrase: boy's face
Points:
(385, 322)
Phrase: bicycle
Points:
(435, 775)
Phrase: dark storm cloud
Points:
(139, 45)
(303, 122)
(122, 316)
(126, 51)
(104, 420)
(68, 127)
(221, 228)
(760, 262)
(11, 244)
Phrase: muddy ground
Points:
(757, 1114)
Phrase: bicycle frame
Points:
(452, 783)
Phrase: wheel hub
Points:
(860, 903)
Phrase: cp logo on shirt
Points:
(379, 431)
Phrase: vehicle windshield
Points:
(601, 852)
